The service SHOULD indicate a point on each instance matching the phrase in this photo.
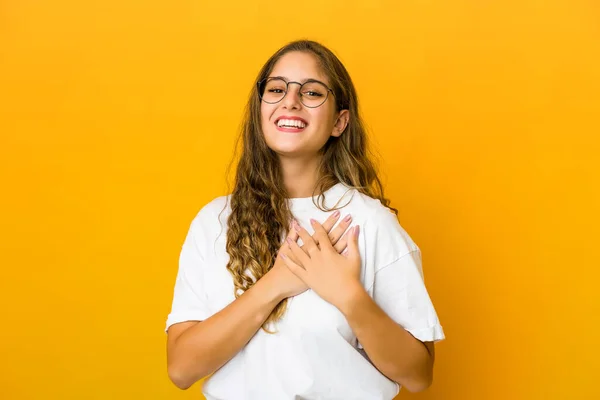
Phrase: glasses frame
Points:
(287, 89)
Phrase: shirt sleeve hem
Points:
(431, 334)
(184, 317)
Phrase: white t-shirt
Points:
(314, 354)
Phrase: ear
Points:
(341, 123)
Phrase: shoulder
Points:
(382, 229)
(371, 208)
(212, 216)
(213, 207)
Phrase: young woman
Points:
(344, 310)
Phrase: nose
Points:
(292, 97)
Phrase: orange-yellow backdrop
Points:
(117, 120)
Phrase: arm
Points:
(391, 348)
(197, 349)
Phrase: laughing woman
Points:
(301, 284)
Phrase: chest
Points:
(307, 312)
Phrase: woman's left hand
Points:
(333, 276)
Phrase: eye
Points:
(312, 93)
(313, 89)
(275, 90)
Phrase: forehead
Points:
(299, 66)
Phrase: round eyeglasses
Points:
(312, 93)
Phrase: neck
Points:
(300, 176)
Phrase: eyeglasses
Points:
(312, 93)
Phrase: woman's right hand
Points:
(284, 280)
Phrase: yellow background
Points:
(117, 121)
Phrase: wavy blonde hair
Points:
(260, 215)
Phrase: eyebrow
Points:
(303, 81)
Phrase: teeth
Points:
(291, 123)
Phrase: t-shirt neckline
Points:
(332, 196)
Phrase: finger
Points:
(330, 222)
(301, 256)
(308, 243)
(292, 233)
(342, 243)
(320, 235)
(339, 230)
(295, 268)
(353, 242)
(285, 250)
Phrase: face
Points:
(306, 137)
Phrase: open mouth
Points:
(290, 125)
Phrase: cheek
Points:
(323, 119)
(265, 114)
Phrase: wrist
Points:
(354, 295)
(272, 292)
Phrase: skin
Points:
(298, 153)
(318, 264)
(196, 349)
(335, 278)
(327, 260)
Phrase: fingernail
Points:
(296, 226)
(348, 218)
(312, 221)
(356, 230)
(336, 214)
(288, 240)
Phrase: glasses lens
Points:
(274, 90)
(313, 94)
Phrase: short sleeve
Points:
(189, 300)
(399, 289)
(397, 282)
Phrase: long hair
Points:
(260, 216)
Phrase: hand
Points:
(286, 282)
(332, 276)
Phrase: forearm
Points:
(391, 348)
(208, 345)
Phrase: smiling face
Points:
(291, 128)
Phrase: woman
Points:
(344, 312)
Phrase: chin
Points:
(283, 147)
(282, 151)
